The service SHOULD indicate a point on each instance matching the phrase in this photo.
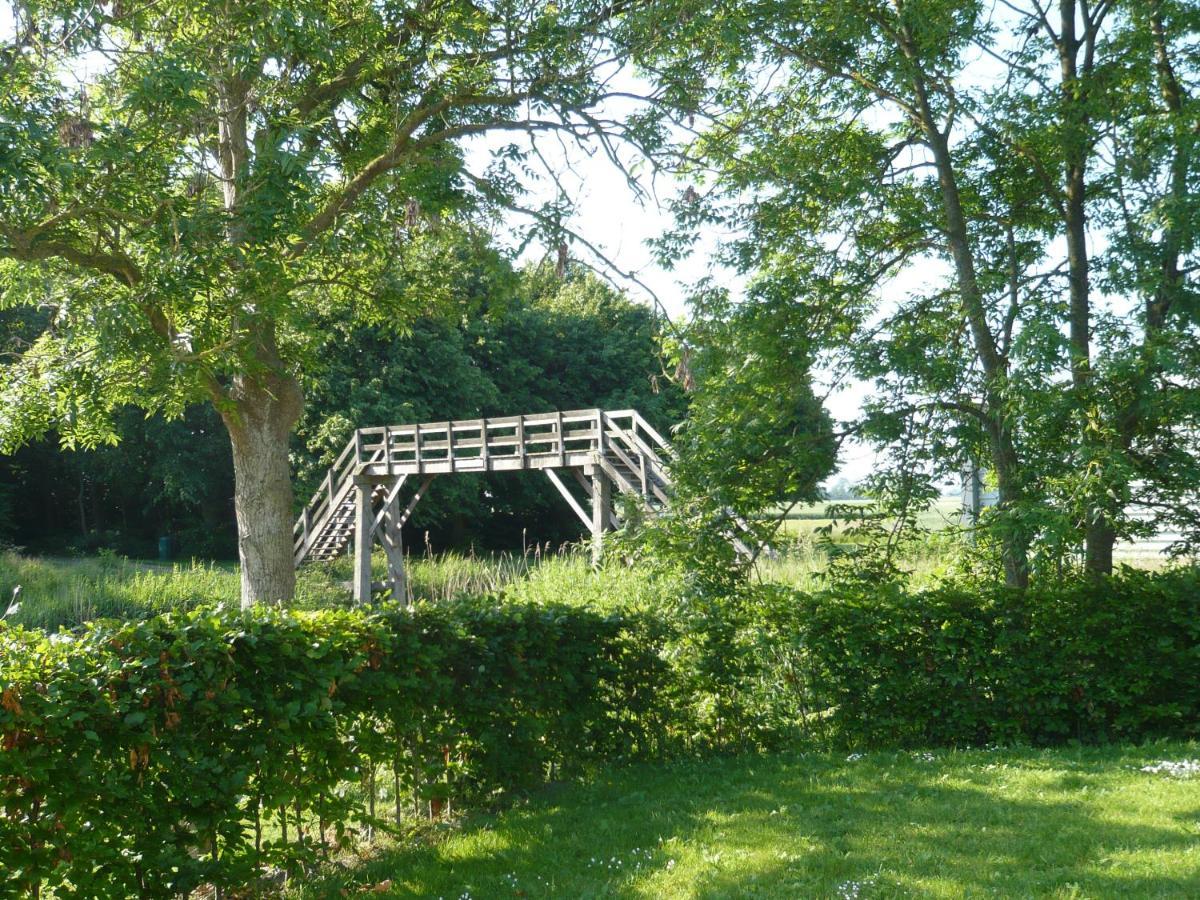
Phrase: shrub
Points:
(1092, 660)
(144, 759)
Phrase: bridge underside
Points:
(365, 498)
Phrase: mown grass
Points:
(1003, 823)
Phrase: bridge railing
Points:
(539, 440)
(333, 489)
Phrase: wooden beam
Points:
(562, 440)
(601, 503)
(362, 541)
(584, 479)
(416, 498)
(569, 497)
(388, 500)
(393, 546)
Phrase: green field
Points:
(983, 823)
(805, 520)
(65, 592)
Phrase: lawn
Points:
(1085, 822)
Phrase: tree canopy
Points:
(546, 343)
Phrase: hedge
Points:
(146, 759)
(149, 758)
(1093, 660)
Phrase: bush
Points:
(144, 759)
(1093, 660)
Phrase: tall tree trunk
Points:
(1099, 541)
(259, 421)
(1099, 534)
(1014, 541)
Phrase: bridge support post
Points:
(363, 519)
(601, 502)
(393, 546)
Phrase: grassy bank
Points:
(1064, 823)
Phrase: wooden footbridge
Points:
(363, 498)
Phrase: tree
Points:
(756, 440)
(227, 173)
(526, 340)
(966, 198)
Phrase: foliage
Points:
(151, 757)
(191, 189)
(527, 341)
(1088, 660)
(547, 342)
(226, 742)
(755, 443)
(66, 593)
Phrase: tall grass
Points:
(64, 593)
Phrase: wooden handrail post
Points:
(483, 443)
(417, 448)
(601, 501)
(450, 444)
(387, 447)
(562, 441)
(521, 439)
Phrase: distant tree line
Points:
(533, 341)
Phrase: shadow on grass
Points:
(815, 826)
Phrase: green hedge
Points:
(148, 758)
(1094, 660)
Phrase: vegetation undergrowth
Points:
(1002, 822)
(65, 592)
